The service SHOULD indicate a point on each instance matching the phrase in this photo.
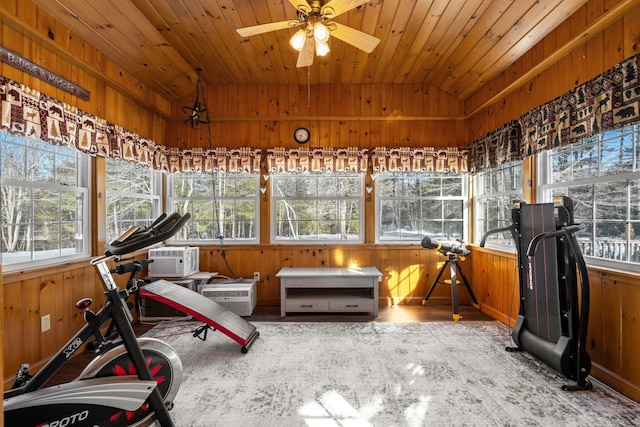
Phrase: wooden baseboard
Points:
(616, 382)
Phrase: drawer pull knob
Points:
(352, 305)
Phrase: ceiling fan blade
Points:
(357, 38)
(334, 8)
(265, 28)
(305, 57)
(301, 5)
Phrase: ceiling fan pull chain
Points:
(309, 87)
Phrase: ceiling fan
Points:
(316, 26)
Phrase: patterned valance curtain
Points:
(609, 101)
(499, 146)
(230, 160)
(422, 159)
(316, 160)
(29, 113)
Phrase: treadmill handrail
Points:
(535, 241)
(509, 228)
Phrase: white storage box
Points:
(237, 296)
(174, 261)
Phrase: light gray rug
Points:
(378, 374)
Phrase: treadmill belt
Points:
(542, 302)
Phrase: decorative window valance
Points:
(421, 159)
(611, 100)
(29, 113)
(231, 160)
(499, 146)
(305, 159)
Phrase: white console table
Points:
(330, 289)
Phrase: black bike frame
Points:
(115, 309)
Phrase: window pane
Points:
(133, 196)
(44, 201)
(222, 205)
(413, 205)
(494, 201)
(605, 191)
(611, 200)
(314, 207)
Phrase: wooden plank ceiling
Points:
(456, 45)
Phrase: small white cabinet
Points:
(330, 289)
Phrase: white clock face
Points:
(301, 135)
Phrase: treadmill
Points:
(554, 288)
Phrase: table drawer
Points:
(306, 305)
(352, 305)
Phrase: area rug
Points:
(377, 374)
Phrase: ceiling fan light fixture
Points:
(320, 32)
(298, 39)
(322, 48)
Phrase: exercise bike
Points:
(131, 381)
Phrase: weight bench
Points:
(202, 308)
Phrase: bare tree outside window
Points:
(414, 205)
(317, 207)
(222, 206)
(44, 200)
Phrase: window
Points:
(602, 177)
(222, 206)
(495, 191)
(133, 196)
(45, 202)
(317, 207)
(411, 206)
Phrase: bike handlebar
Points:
(161, 229)
(131, 266)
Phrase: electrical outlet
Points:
(45, 323)
(256, 276)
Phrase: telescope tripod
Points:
(452, 262)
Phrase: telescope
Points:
(446, 247)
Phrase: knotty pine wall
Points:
(367, 116)
(115, 96)
(614, 329)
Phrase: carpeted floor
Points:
(378, 374)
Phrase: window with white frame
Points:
(323, 208)
(412, 205)
(495, 191)
(45, 202)
(222, 206)
(602, 177)
(133, 196)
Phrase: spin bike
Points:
(131, 381)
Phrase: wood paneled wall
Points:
(552, 67)
(613, 331)
(408, 271)
(367, 115)
(114, 95)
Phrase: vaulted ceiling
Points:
(456, 45)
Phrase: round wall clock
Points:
(301, 135)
